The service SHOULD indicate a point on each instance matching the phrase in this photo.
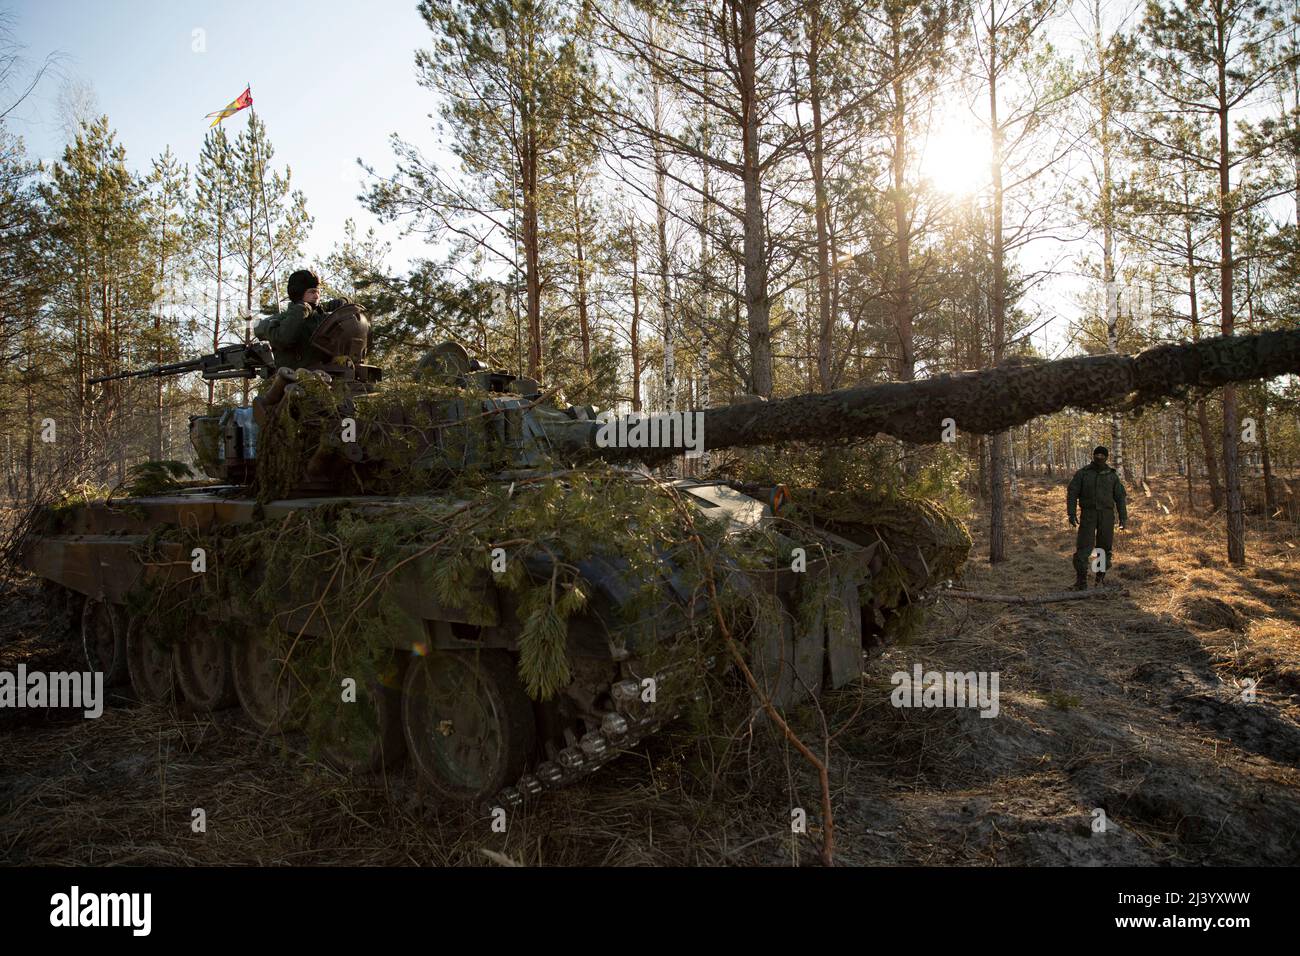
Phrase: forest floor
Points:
(1171, 707)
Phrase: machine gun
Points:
(240, 360)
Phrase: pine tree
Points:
(1008, 40)
(167, 212)
(1172, 223)
(269, 223)
(508, 72)
(105, 280)
(1214, 58)
(1103, 101)
(24, 357)
(24, 287)
(269, 219)
(718, 67)
(213, 227)
(904, 51)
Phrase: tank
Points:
(460, 570)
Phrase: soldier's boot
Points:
(1101, 579)
(1080, 581)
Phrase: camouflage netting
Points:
(346, 564)
(925, 546)
(205, 439)
(931, 543)
(410, 437)
(858, 490)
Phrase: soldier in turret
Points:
(1099, 492)
(290, 331)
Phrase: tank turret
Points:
(457, 416)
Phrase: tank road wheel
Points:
(468, 723)
(203, 669)
(365, 736)
(264, 685)
(149, 662)
(103, 636)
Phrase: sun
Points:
(955, 156)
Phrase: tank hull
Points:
(624, 682)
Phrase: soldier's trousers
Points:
(1096, 530)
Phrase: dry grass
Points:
(1074, 708)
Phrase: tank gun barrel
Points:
(239, 360)
(989, 400)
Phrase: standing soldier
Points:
(1096, 488)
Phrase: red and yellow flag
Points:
(244, 101)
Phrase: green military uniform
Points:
(1099, 492)
(290, 334)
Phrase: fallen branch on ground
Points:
(1040, 599)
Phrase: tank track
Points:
(631, 721)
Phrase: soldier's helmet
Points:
(345, 332)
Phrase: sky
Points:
(332, 79)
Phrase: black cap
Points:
(1101, 450)
(300, 282)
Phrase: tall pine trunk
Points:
(821, 217)
(757, 304)
(1266, 456)
(216, 322)
(636, 324)
(1231, 465)
(1202, 415)
(584, 327)
(902, 226)
(997, 502)
(528, 177)
(661, 236)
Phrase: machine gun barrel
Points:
(239, 360)
(153, 371)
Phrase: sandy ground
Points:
(1137, 706)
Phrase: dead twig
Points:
(1039, 599)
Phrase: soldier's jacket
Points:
(290, 332)
(1094, 488)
